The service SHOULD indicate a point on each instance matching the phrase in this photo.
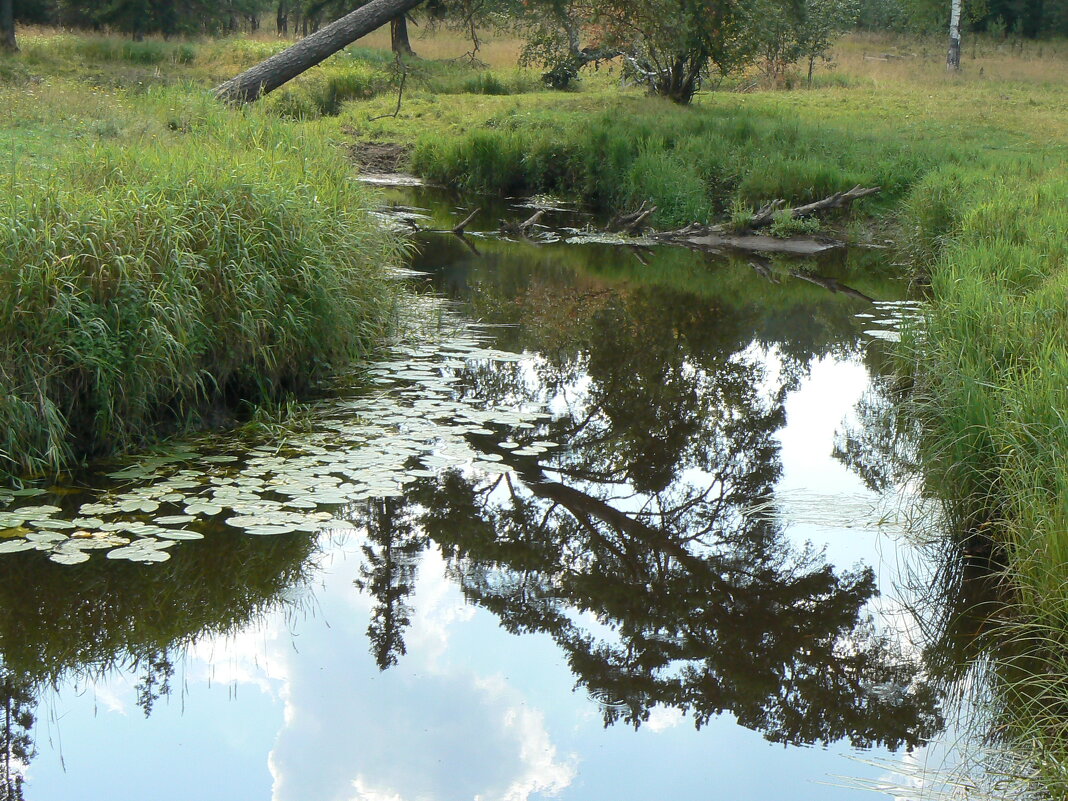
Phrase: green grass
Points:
(166, 260)
(692, 163)
(991, 372)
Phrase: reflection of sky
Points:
(294, 708)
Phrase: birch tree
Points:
(953, 59)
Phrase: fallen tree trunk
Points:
(268, 75)
(765, 216)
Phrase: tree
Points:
(796, 30)
(291, 62)
(672, 45)
(953, 57)
(398, 36)
(8, 42)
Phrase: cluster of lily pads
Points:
(891, 317)
(412, 424)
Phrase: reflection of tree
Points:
(18, 702)
(953, 586)
(60, 622)
(392, 553)
(635, 548)
(156, 681)
(881, 448)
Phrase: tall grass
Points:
(691, 163)
(147, 284)
(992, 389)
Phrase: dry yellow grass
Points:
(496, 49)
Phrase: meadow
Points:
(120, 164)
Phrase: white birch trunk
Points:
(953, 59)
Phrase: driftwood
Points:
(631, 223)
(459, 229)
(766, 214)
(718, 237)
(711, 237)
(754, 243)
(521, 229)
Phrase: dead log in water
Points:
(767, 213)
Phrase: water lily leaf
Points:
(38, 512)
(493, 468)
(95, 542)
(53, 524)
(199, 508)
(45, 537)
(145, 506)
(169, 520)
(68, 557)
(180, 534)
(11, 546)
(139, 554)
(265, 531)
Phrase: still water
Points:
(610, 523)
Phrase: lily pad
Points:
(68, 557)
(11, 546)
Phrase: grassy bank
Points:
(164, 261)
(991, 372)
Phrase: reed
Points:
(153, 285)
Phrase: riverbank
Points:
(168, 262)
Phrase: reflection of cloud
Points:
(108, 696)
(366, 793)
(249, 656)
(441, 606)
(430, 729)
(662, 718)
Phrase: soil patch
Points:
(380, 157)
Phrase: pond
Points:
(611, 523)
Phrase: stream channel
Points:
(610, 524)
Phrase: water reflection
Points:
(636, 526)
(636, 547)
(17, 701)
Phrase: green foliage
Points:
(794, 30)
(784, 224)
(154, 281)
(740, 215)
(321, 92)
(691, 162)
